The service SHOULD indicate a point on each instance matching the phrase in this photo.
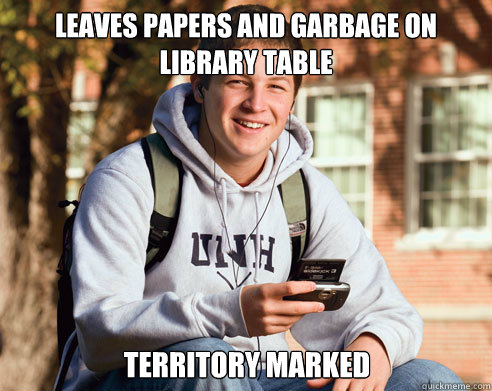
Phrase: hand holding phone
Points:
(326, 274)
(265, 312)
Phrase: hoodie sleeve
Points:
(375, 304)
(110, 311)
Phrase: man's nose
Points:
(255, 101)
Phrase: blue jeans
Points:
(409, 376)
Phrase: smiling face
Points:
(246, 114)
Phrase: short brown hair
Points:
(213, 44)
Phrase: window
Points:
(340, 121)
(450, 156)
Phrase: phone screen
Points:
(319, 270)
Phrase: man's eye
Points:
(276, 86)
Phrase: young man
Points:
(222, 283)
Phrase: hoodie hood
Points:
(177, 118)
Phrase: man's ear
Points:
(196, 82)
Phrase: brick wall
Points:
(451, 289)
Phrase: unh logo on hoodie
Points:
(210, 242)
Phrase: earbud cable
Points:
(236, 270)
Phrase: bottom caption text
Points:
(241, 364)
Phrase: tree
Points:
(35, 83)
(36, 72)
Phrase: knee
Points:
(420, 373)
(225, 384)
(209, 344)
(432, 371)
(209, 382)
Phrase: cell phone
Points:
(326, 274)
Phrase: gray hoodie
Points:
(195, 291)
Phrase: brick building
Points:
(404, 128)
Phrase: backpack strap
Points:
(294, 192)
(166, 173)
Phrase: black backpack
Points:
(166, 173)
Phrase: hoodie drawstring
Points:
(225, 231)
(257, 238)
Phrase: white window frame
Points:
(338, 88)
(444, 238)
(79, 107)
